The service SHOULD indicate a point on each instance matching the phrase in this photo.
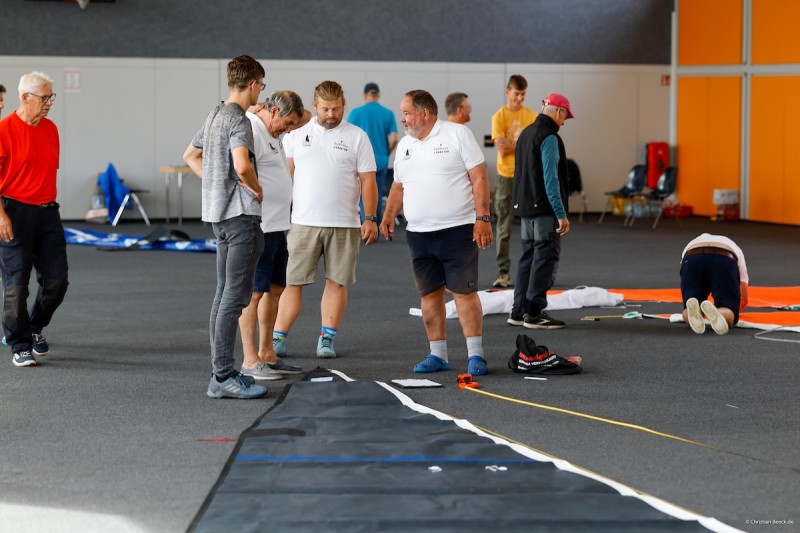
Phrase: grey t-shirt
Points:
(226, 128)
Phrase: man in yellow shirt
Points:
(507, 124)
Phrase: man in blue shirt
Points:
(381, 128)
(541, 185)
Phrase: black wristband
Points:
(372, 218)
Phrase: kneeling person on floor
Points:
(715, 265)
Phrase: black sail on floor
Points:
(351, 456)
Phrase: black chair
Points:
(654, 201)
(634, 185)
(575, 186)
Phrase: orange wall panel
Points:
(774, 31)
(774, 155)
(708, 134)
(710, 32)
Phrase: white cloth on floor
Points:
(501, 301)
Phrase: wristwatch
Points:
(484, 218)
(372, 218)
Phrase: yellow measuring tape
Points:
(629, 426)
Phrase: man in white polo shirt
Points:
(333, 166)
(280, 112)
(440, 183)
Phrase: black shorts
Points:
(446, 257)
(271, 267)
(718, 275)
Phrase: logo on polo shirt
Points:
(340, 145)
(274, 150)
(441, 149)
(307, 140)
(408, 154)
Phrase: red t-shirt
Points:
(28, 160)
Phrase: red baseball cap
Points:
(558, 101)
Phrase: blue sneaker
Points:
(40, 346)
(431, 364)
(236, 386)
(325, 347)
(24, 358)
(476, 365)
(279, 345)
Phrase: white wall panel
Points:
(141, 114)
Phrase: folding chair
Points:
(634, 184)
(656, 200)
(576, 186)
(118, 196)
(131, 197)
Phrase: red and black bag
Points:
(532, 359)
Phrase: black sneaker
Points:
(515, 319)
(542, 322)
(40, 346)
(24, 358)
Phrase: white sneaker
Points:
(718, 322)
(695, 318)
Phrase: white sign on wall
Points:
(72, 80)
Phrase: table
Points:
(176, 171)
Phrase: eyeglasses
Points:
(45, 98)
(262, 85)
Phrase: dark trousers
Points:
(536, 271)
(38, 243)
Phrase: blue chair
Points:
(634, 185)
(654, 201)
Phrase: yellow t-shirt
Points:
(509, 124)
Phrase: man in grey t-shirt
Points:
(222, 154)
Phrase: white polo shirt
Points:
(326, 166)
(437, 192)
(273, 174)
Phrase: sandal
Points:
(476, 365)
(432, 364)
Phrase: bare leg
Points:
(333, 305)
(267, 314)
(727, 314)
(291, 302)
(433, 314)
(470, 313)
(247, 328)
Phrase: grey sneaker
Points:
(261, 372)
(236, 386)
(694, 317)
(325, 347)
(279, 345)
(40, 346)
(718, 322)
(24, 358)
(282, 367)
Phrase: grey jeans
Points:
(536, 273)
(240, 242)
